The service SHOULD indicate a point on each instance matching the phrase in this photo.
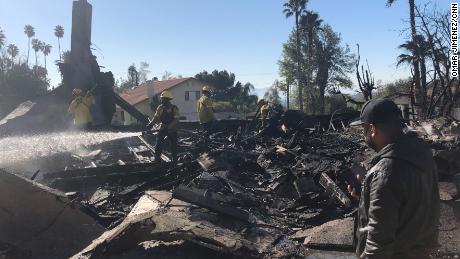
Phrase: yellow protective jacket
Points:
(265, 111)
(80, 108)
(205, 109)
(167, 116)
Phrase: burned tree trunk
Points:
(435, 28)
(321, 79)
(287, 93)
(365, 80)
(299, 66)
(415, 62)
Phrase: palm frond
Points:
(404, 58)
(390, 2)
(59, 31)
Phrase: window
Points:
(198, 94)
(187, 95)
(122, 115)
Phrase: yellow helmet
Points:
(206, 88)
(76, 91)
(261, 102)
(166, 94)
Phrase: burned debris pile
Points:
(443, 134)
(229, 195)
(254, 197)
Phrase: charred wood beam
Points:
(83, 179)
(88, 182)
(104, 170)
(170, 178)
(333, 190)
(152, 149)
(209, 200)
(144, 120)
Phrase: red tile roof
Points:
(139, 93)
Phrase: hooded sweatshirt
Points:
(398, 213)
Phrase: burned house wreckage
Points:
(233, 194)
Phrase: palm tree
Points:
(46, 50)
(59, 33)
(424, 50)
(311, 23)
(2, 43)
(295, 8)
(13, 50)
(415, 61)
(2, 38)
(30, 32)
(409, 47)
(37, 46)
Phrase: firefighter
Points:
(268, 111)
(80, 109)
(263, 110)
(270, 114)
(167, 115)
(205, 110)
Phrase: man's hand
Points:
(353, 192)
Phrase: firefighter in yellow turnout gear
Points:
(266, 111)
(205, 110)
(270, 114)
(80, 109)
(167, 115)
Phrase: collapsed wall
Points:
(41, 220)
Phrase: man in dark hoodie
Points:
(398, 212)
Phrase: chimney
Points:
(150, 92)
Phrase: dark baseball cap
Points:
(378, 111)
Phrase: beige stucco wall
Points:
(187, 109)
(117, 118)
(143, 107)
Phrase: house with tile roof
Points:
(186, 91)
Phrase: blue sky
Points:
(188, 36)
